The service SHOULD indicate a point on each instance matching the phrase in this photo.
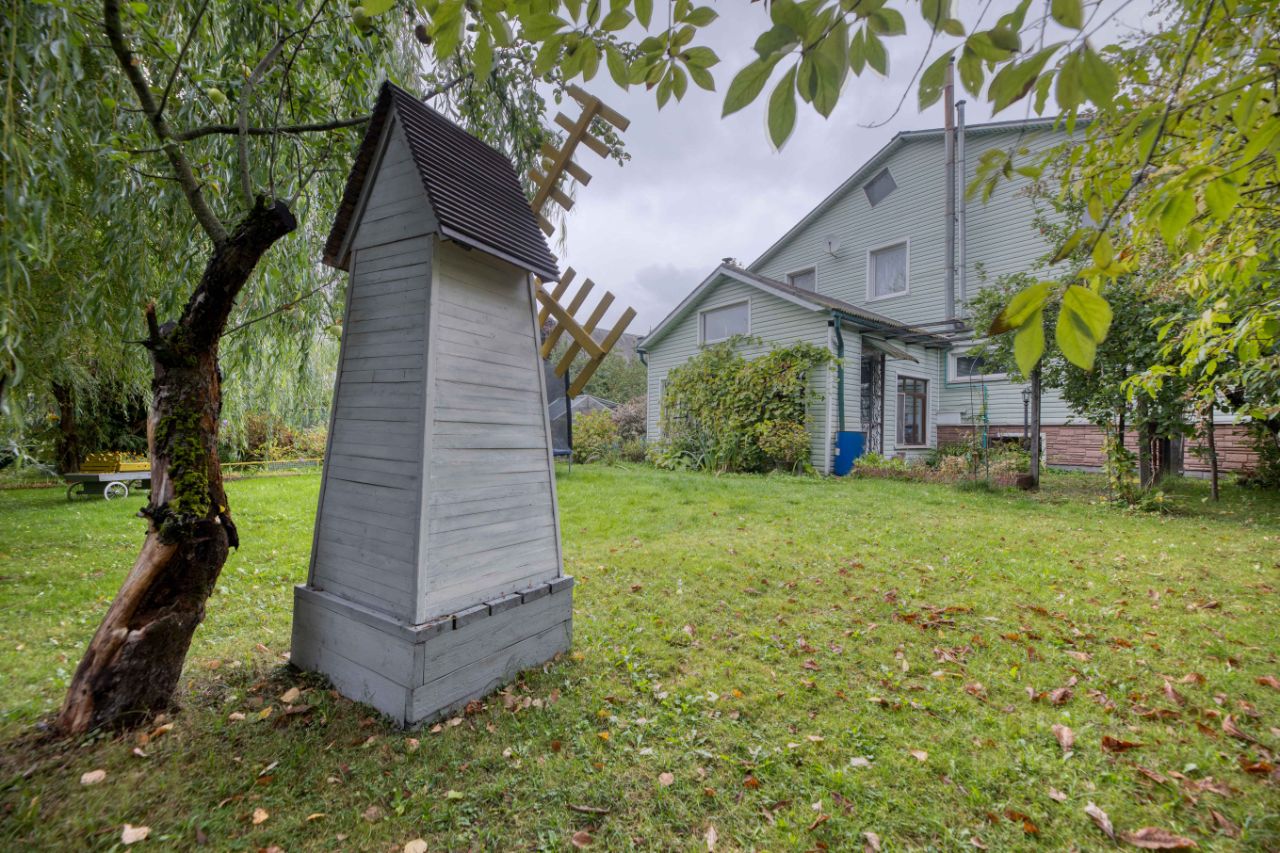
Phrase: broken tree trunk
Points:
(135, 658)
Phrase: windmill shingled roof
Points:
(473, 188)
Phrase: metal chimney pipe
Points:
(961, 237)
(948, 96)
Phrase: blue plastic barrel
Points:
(849, 446)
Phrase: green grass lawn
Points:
(788, 662)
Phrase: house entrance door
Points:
(873, 401)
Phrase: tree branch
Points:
(242, 122)
(232, 129)
(204, 214)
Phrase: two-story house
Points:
(865, 274)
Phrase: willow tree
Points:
(198, 136)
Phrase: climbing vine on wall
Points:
(723, 412)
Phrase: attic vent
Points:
(879, 187)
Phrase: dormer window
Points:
(879, 187)
(804, 279)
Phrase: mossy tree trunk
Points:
(133, 663)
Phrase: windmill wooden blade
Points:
(556, 162)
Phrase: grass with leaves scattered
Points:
(759, 663)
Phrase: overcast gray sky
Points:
(699, 188)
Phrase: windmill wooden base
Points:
(416, 674)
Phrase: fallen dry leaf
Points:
(1101, 820)
(260, 816)
(1151, 774)
(411, 744)
(977, 842)
(1191, 678)
(665, 779)
(315, 816)
(1111, 744)
(417, 845)
(919, 755)
(131, 834)
(751, 782)
(1066, 737)
(291, 696)
(1057, 796)
(1154, 838)
(93, 777)
(373, 814)
(870, 842)
(1229, 726)
(235, 716)
(1060, 696)
(1173, 695)
(711, 837)
(1269, 681)
(581, 839)
(1228, 828)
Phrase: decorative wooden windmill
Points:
(555, 164)
(436, 570)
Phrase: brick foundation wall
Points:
(1080, 445)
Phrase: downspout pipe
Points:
(949, 136)
(835, 319)
(961, 239)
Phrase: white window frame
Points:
(813, 269)
(897, 416)
(867, 195)
(954, 377)
(702, 340)
(905, 242)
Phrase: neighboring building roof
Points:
(473, 189)
(581, 403)
(867, 169)
(816, 302)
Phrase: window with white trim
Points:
(720, 324)
(804, 279)
(887, 270)
(879, 187)
(913, 411)
(968, 366)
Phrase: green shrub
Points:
(716, 402)
(784, 443)
(595, 437)
(632, 450)
(630, 418)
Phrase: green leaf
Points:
(644, 12)
(1221, 196)
(1071, 244)
(1070, 91)
(774, 40)
(935, 13)
(1178, 211)
(1006, 39)
(986, 49)
(877, 56)
(702, 77)
(548, 56)
(1020, 307)
(887, 21)
(1068, 13)
(1090, 308)
(1015, 80)
(971, 73)
(700, 57)
(540, 27)
(700, 16)
(617, 65)
(1074, 339)
(857, 52)
(1028, 343)
(747, 85)
(446, 28)
(933, 79)
(373, 8)
(1103, 252)
(616, 20)
(787, 14)
(482, 58)
(590, 59)
(1097, 78)
(782, 108)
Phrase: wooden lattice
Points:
(555, 164)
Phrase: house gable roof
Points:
(807, 299)
(868, 169)
(473, 189)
